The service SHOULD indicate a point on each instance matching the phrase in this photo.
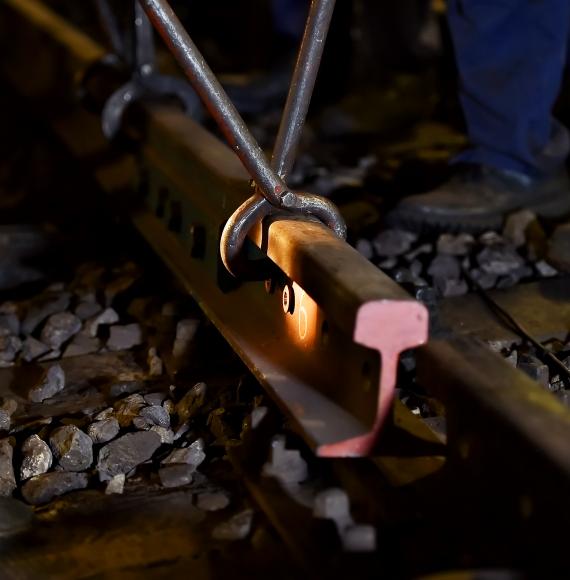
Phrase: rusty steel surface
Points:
(319, 357)
(508, 436)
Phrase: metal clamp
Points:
(145, 81)
(272, 192)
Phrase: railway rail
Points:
(319, 326)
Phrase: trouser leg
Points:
(510, 56)
(289, 17)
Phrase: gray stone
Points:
(545, 269)
(33, 348)
(192, 455)
(387, 263)
(420, 282)
(211, 502)
(191, 402)
(116, 484)
(257, 416)
(72, 448)
(359, 538)
(43, 488)
(394, 242)
(124, 388)
(490, 239)
(459, 245)
(451, 287)
(563, 396)
(499, 259)
(59, 328)
(52, 382)
(9, 324)
(514, 277)
(175, 474)
(285, 465)
(7, 476)
(104, 414)
(82, 345)
(512, 359)
(103, 431)
(237, 527)
(181, 430)
(559, 248)
(10, 346)
(125, 453)
(125, 337)
(166, 435)
(154, 363)
(155, 398)
(444, 267)
(535, 369)
(556, 384)
(364, 247)
(10, 406)
(516, 225)
(156, 415)
(403, 276)
(186, 330)
(36, 457)
(416, 268)
(87, 309)
(333, 504)
(484, 279)
(108, 316)
(51, 355)
(128, 408)
(49, 304)
(5, 420)
(420, 250)
(141, 424)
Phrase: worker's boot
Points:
(478, 197)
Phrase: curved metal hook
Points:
(251, 211)
(256, 208)
(320, 207)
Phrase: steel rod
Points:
(144, 56)
(110, 27)
(215, 99)
(302, 85)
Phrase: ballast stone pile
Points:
(451, 264)
(107, 445)
(108, 448)
(60, 323)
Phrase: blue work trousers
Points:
(511, 55)
(289, 17)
